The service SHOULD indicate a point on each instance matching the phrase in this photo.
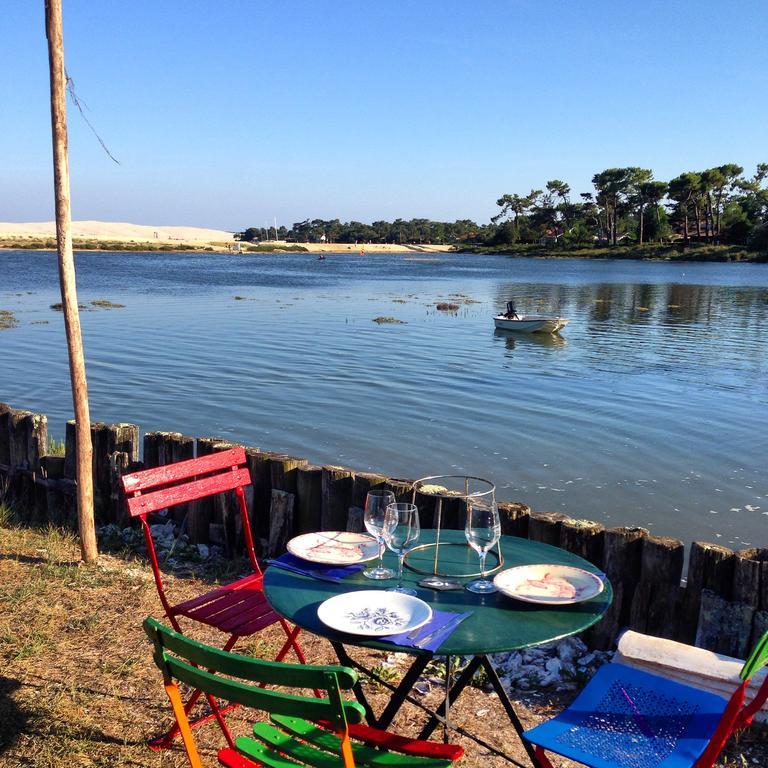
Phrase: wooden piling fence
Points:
(721, 605)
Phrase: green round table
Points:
(497, 624)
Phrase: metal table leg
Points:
(461, 683)
(447, 723)
(403, 689)
(346, 660)
(401, 694)
(507, 704)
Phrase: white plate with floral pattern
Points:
(374, 612)
(548, 584)
(334, 547)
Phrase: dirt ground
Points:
(78, 687)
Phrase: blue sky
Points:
(229, 113)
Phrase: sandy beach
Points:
(219, 239)
(118, 232)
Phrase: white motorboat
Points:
(530, 323)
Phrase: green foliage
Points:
(398, 231)
(758, 238)
(736, 224)
(55, 447)
(629, 206)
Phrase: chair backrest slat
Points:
(274, 702)
(183, 650)
(245, 667)
(179, 471)
(190, 491)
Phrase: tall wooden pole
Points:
(55, 35)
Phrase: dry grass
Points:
(78, 687)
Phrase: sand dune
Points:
(120, 231)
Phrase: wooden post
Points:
(85, 518)
(52, 468)
(283, 471)
(106, 440)
(70, 450)
(365, 482)
(657, 601)
(622, 551)
(336, 497)
(584, 538)
(403, 489)
(28, 439)
(119, 464)
(724, 626)
(426, 505)
(201, 513)
(545, 527)
(5, 436)
(661, 560)
(221, 510)
(710, 567)
(27, 442)
(749, 572)
(280, 521)
(309, 492)
(283, 474)
(514, 518)
(161, 448)
(259, 498)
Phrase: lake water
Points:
(652, 409)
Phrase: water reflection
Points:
(513, 339)
(649, 409)
(670, 304)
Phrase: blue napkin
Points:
(331, 571)
(435, 624)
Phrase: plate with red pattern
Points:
(334, 547)
(548, 584)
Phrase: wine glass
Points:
(401, 532)
(376, 503)
(483, 530)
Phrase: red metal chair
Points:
(239, 609)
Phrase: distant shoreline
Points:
(702, 252)
(33, 244)
(123, 236)
(694, 253)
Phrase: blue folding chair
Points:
(627, 718)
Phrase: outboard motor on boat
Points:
(511, 311)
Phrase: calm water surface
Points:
(652, 409)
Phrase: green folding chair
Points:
(303, 730)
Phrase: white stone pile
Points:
(173, 547)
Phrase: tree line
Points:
(627, 205)
(717, 205)
(397, 231)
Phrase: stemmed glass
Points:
(376, 503)
(483, 530)
(401, 532)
